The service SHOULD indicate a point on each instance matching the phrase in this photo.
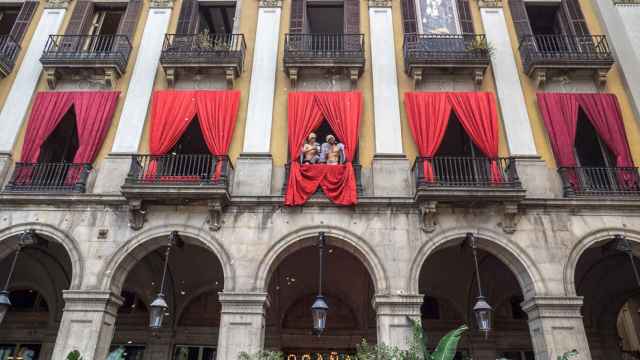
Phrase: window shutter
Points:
(189, 16)
(576, 18)
(296, 23)
(351, 16)
(22, 21)
(128, 25)
(409, 17)
(80, 18)
(520, 18)
(464, 14)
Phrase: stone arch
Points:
(585, 243)
(119, 265)
(191, 298)
(506, 250)
(307, 236)
(9, 243)
(48, 296)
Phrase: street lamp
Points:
(28, 237)
(319, 309)
(482, 310)
(159, 306)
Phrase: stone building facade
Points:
(247, 274)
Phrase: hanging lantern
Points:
(157, 310)
(482, 311)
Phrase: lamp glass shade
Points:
(5, 304)
(157, 310)
(482, 311)
(319, 311)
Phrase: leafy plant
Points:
(568, 355)
(74, 355)
(481, 45)
(262, 355)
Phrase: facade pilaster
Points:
(87, 324)
(254, 167)
(17, 103)
(556, 326)
(392, 315)
(390, 168)
(242, 324)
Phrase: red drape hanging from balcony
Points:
(171, 114)
(306, 111)
(217, 111)
(429, 113)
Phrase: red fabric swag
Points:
(306, 111)
(171, 114)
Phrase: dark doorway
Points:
(545, 19)
(217, 19)
(8, 16)
(456, 141)
(192, 141)
(325, 18)
(62, 144)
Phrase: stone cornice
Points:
(57, 4)
(380, 3)
(490, 3)
(161, 4)
(270, 3)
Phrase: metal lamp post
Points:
(482, 310)
(159, 306)
(319, 309)
(28, 237)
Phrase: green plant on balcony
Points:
(480, 45)
(262, 355)
(206, 41)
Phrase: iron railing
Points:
(563, 49)
(49, 177)
(446, 48)
(204, 48)
(90, 49)
(471, 172)
(600, 181)
(324, 46)
(9, 49)
(357, 169)
(178, 169)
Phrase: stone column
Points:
(87, 324)
(254, 167)
(137, 101)
(242, 324)
(392, 313)
(390, 169)
(556, 326)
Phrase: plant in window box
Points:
(481, 46)
(214, 43)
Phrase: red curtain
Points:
(306, 111)
(560, 116)
(478, 116)
(217, 111)
(171, 114)
(94, 112)
(428, 115)
(47, 112)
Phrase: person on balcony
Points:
(310, 151)
(332, 152)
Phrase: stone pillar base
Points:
(393, 313)
(5, 165)
(538, 178)
(556, 326)
(112, 173)
(252, 176)
(391, 176)
(242, 324)
(87, 324)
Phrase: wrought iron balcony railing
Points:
(87, 50)
(446, 50)
(9, 49)
(357, 169)
(178, 169)
(600, 181)
(204, 49)
(318, 47)
(466, 172)
(565, 51)
(49, 177)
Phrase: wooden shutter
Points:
(189, 16)
(351, 16)
(575, 17)
(520, 18)
(80, 18)
(464, 14)
(23, 20)
(128, 25)
(409, 23)
(296, 22)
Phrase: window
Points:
(192, 141)
(456, 142)
(545, 19)
(106, 22)
(589, 149)
(8, 16)
(188, 352)
(325, 18)
(437, 16)
(62, 144)
(216, 19)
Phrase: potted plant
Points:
(74, 355)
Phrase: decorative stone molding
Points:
(490, 3)
(137, 214)
(170, 74)
(416, 74)
(478, 76)
(428, 213)
(110, 76)
(52, 77)
(270, 3)
(400, 305)
(510, 218)
(243, 303)
(57, 4)
(230, 76)
(293, 76)
(161, 4)
(380, 3)
(215, 208)
(354, 74)
(600, 77)
(553, 307)
(91, 301)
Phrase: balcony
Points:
(542, 54)
(9, 50)
(177, 179)
(103, 55)
(49, 177)
(357, 169)
(332, 52)
(204, 51)
(437, 53)
(600, 181)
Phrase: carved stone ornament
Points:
(270, 3)
(163, 4)
(428, 213)
(510, 218)
(490, 3)
(215, 208)
(57, 4)
(136, 214)
(380, 3)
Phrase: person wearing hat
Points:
(310, 151)
(332, 152)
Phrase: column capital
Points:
(398, 304)
(243, 303)
(270, 3)
(490, 3)
(380, 3)
(161, 4)
(553, 307)
(57, 4)
(91, 301)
